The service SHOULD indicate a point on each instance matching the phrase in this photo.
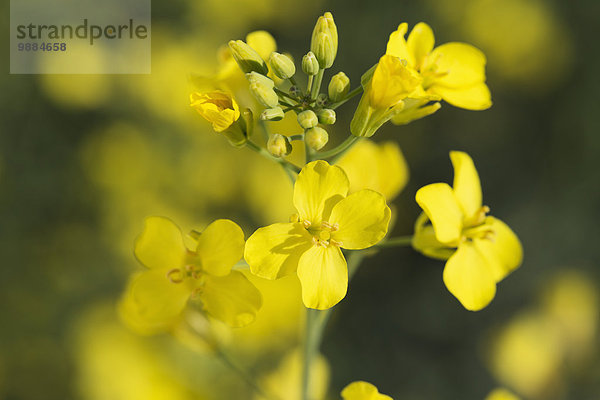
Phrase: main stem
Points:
(244, 375)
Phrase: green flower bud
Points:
(316, 138)
(247, 58)
(265, 96)
(308, 119)
(322, 99)
(282, 65)
(338, 87)
(272, 114)
(310, 64)
(326, 116)
(258, 79)
(324, 41)
(279, 145)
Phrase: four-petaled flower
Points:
(175, 274)
(481, 250)
(311, 243)
(453, 71)
(217, 107)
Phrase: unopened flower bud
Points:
(324, 41)
(326, 116)
(265, 96)
(282, 65)
(272, 114)
(258, 79)
(279, 145)
(322, 99)
(247, 58)
(310, 64)
(338, 87)
(308, 119)
(316, 138)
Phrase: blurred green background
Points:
(83, 159)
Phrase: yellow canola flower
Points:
(176, 274)
(310, 245)
(385, 87)
(361, 390)
(217, 107)
(377, 166)
(481, 250)
(453, 71)
(501, 394)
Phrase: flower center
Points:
(476, 227)
(321, 233)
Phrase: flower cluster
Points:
(342, 209)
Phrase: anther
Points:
(306, 224)
(172, 278)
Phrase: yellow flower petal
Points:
(475, 97)
(323, 274)
(440, 205)
(424, 241)
(393, 80)
(420, 43)
(274, 251)
(158, 300)
(160, 245)
(217, 107)
(467, 187)
(504, 247)
(397, 46)
(469, 278)
(463, 65)
(363, 219)
(220, 246)
(262, 42)
(318, 188)
(232, 299)
(361, 390)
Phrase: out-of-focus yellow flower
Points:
(112, 363)
(385, 87)
(160, 294)
(481, 250)
(361, 390)
(572, 301)
(526, 356)
(501, 394)
(284, 382)
(379, 167)
(454, 71)
(310, 245)
(217, 107)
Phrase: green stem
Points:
(317, 84)
(396, 242)
(293, 81)
(310, 83)
(296, 137)
(340, 149)
(281, 93)
(243, 374)
(288, 166)
(350, 95)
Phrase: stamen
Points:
(336, 243)
(306, 224)
(172, 278)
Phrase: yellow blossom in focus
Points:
(361, 390)
(501, 394)
(285, 381)
(385, 87)
(379, 167)
(453, 71)
(175, 274)
(481, 250)
(310, 244)
(217, 107)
